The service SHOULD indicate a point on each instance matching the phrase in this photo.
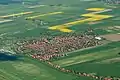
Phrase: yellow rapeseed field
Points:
(53, 13)
(95, 17)
(90, 17)
(95, 9)
(62, 28)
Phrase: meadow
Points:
(26, 68)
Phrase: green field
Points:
(102, 60)
(28, 69)
(71, 12)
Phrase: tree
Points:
(119, 53)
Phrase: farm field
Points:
(27, 68)
(72, 14)
(85, 32)
(95, 60)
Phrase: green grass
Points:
(29, 69)
(88, 57)
(100, 69)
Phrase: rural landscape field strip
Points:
(86, 57)
(17, 14)
(9, 75)
(95, 9)
(47, 14)
(110, 60)
(4, 21)
(36, 6)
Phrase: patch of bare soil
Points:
(112, 37)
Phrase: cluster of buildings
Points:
(60, 44)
